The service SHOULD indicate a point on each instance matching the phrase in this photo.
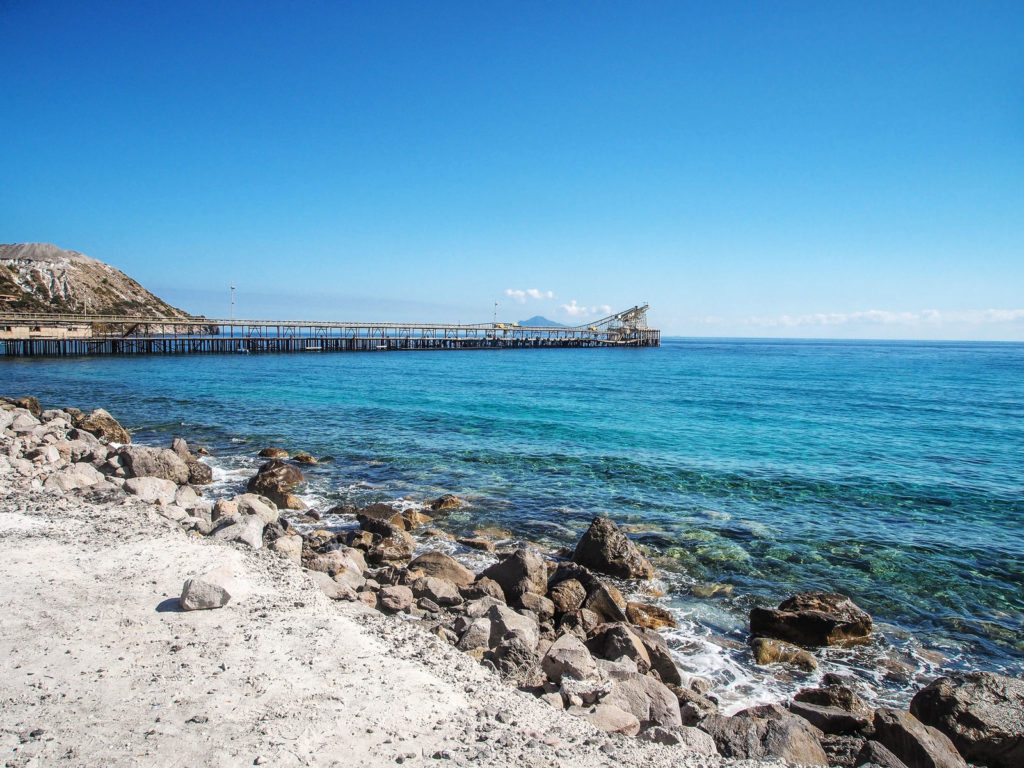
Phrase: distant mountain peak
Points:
(541, 321)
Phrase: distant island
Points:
(541, 322)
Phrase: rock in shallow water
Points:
(812, 619)
(606, 549)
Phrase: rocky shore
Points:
(537, 659)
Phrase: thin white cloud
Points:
(520, 296)
(925, 317)
(581, 310)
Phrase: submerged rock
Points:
(606, 549)
(448, 501)
(812, 619)
(273, 453)
(982, 712)
(769, 651)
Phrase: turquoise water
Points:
(889, 471)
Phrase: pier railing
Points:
(35, 334)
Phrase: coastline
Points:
(265, 577)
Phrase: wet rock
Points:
(396, 599)
(199, 473)
(834, 695)
(415, 518)
(276, 479)
(650, 701)
(830, 719)
(607, 602)
(568, 656)
(477, 542)
(916, 744)
(875, 754)
(154, 490)
(273, 453)
(211, 590)
(443, 567)
(782, 736)
(380, 518)
(304, 458)
(606, 549)
(567, 596)
(649, 616)
(812, 619)
(768, 651)
(518, 573)
(143, 461)
(981, 712)
(448, 501)
(102, 424)
(609, 718)
(396, 547)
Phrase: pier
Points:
(57, 335)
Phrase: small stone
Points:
(212, 590)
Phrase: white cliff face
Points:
(51, 279)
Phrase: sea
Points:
(749, 470)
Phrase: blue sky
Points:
(751, 169)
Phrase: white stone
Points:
(288, 546)
(155, 490)
(254, 504)
(245, 529)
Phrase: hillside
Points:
(45, 278)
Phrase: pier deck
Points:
(31, 335)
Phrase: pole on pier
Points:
(232, 310)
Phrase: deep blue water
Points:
(889, 471)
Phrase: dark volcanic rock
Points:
(916, 744)
(606, 549)
(275, 480)
(273, 453)
(835, 695)
(812, 619)
(568, 596)
(199, 473)
(31, 404)
(607, 602)
(518, 573)
(380, 519)
(983, 713)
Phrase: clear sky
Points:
(749, 169)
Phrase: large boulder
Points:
(448, 501)
(875, 754)
(245, 529)
(518, 573)
(916, 744)
(568, 596)
(144, 461)
(276, 479)
(102, 424)
(606, 549)
(830, 719)
(649, 616)
(31, 404)
(606, 601)
(651, 702)
(376, 517)
(568, 656)
(766, 732)
(614, 641)
(812, 619)
(506, 623)
(443, 567)
(154, 490)
(199, 473)
(982, 712)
